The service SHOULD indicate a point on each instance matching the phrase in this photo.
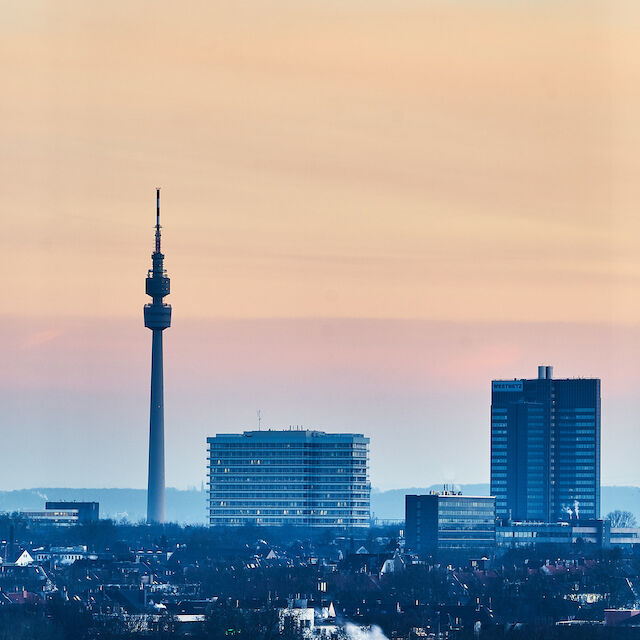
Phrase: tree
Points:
(621, 518)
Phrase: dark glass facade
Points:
(289, 477)
(545, 448)
(441, 522)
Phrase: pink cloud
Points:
(39, 338)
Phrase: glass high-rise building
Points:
(545, 448)
(289, 477)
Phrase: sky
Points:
(370, 210)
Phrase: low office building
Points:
(59, 518)
(450, 522)
(65, 514)
(87, 511)
(624, 536)
(514, 535)
(289, 477)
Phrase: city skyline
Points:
(362, 236)
(378, 220)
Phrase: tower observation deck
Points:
(157, 317)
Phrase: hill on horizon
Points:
(184, 506)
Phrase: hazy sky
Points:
(370, 210)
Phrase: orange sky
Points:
(450, 160)
(469, 161)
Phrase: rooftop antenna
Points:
(259, 414)
(158, 227)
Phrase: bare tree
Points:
(621, 518)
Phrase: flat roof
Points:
(542, 379)
(287, 435)
(447, 495)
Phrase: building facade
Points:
(448, 521)
(545, 448)
(57, 517)
(289, 477)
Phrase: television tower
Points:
(157, 317)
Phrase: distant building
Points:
(513, 535)
(289, 477)
(59, 518)
(27, 579)
(448, 521)
(624, 536)
(87, 511)
(62, 555)
(545, 448)
(21, 558)
(65, 514)
(308, 620)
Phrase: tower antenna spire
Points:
(158, 227)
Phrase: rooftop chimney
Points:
(545, 372)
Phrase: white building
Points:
(289, 477)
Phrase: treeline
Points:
(109, 535)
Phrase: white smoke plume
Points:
(355, 632)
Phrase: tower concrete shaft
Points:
(157, 317)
